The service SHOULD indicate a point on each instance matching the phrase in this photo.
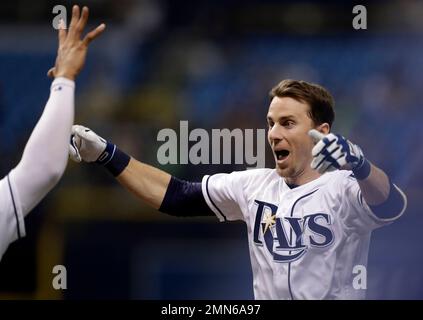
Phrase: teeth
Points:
(280, 155)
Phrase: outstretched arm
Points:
(333, 152)
(146, 182)
(376, 187)
(154, 186)
(45, 156)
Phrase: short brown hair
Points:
(318, 98)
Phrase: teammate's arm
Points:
(45, 156)
(333, 152)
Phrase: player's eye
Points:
(270, 124)
(289, 124)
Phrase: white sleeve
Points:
(46, 152)
(357, 214)
(224, 195)
(11, 219)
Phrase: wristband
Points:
(113, 159)
(362, 169)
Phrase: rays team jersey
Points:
(304, 242)
(11, 218)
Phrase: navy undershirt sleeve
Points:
(185, 199)
(391, 207)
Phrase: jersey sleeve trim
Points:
(209, 200)
(20, 227)
(404, 197)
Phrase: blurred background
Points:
(211, 63)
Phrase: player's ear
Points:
(324, 128)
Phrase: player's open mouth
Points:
(281, 154)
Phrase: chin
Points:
(283, 172)
(280, 173)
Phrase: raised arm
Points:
(45, 156)
(333, 152)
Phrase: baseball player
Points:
(309, 219)
(46, 152)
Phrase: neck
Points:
(302, 177)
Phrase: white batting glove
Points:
(333, 152)
(86, 145)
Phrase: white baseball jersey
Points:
(11, 218)
(304, 242)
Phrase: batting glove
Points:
(333, 152)
(86, 145)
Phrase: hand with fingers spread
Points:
(72, 50)
(333, 152)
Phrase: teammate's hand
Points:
(72, 50)
(333, 152)
(85, 145)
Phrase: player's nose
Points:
(275, 133)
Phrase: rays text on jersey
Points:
(285, 237)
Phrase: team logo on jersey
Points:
(288, 238)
